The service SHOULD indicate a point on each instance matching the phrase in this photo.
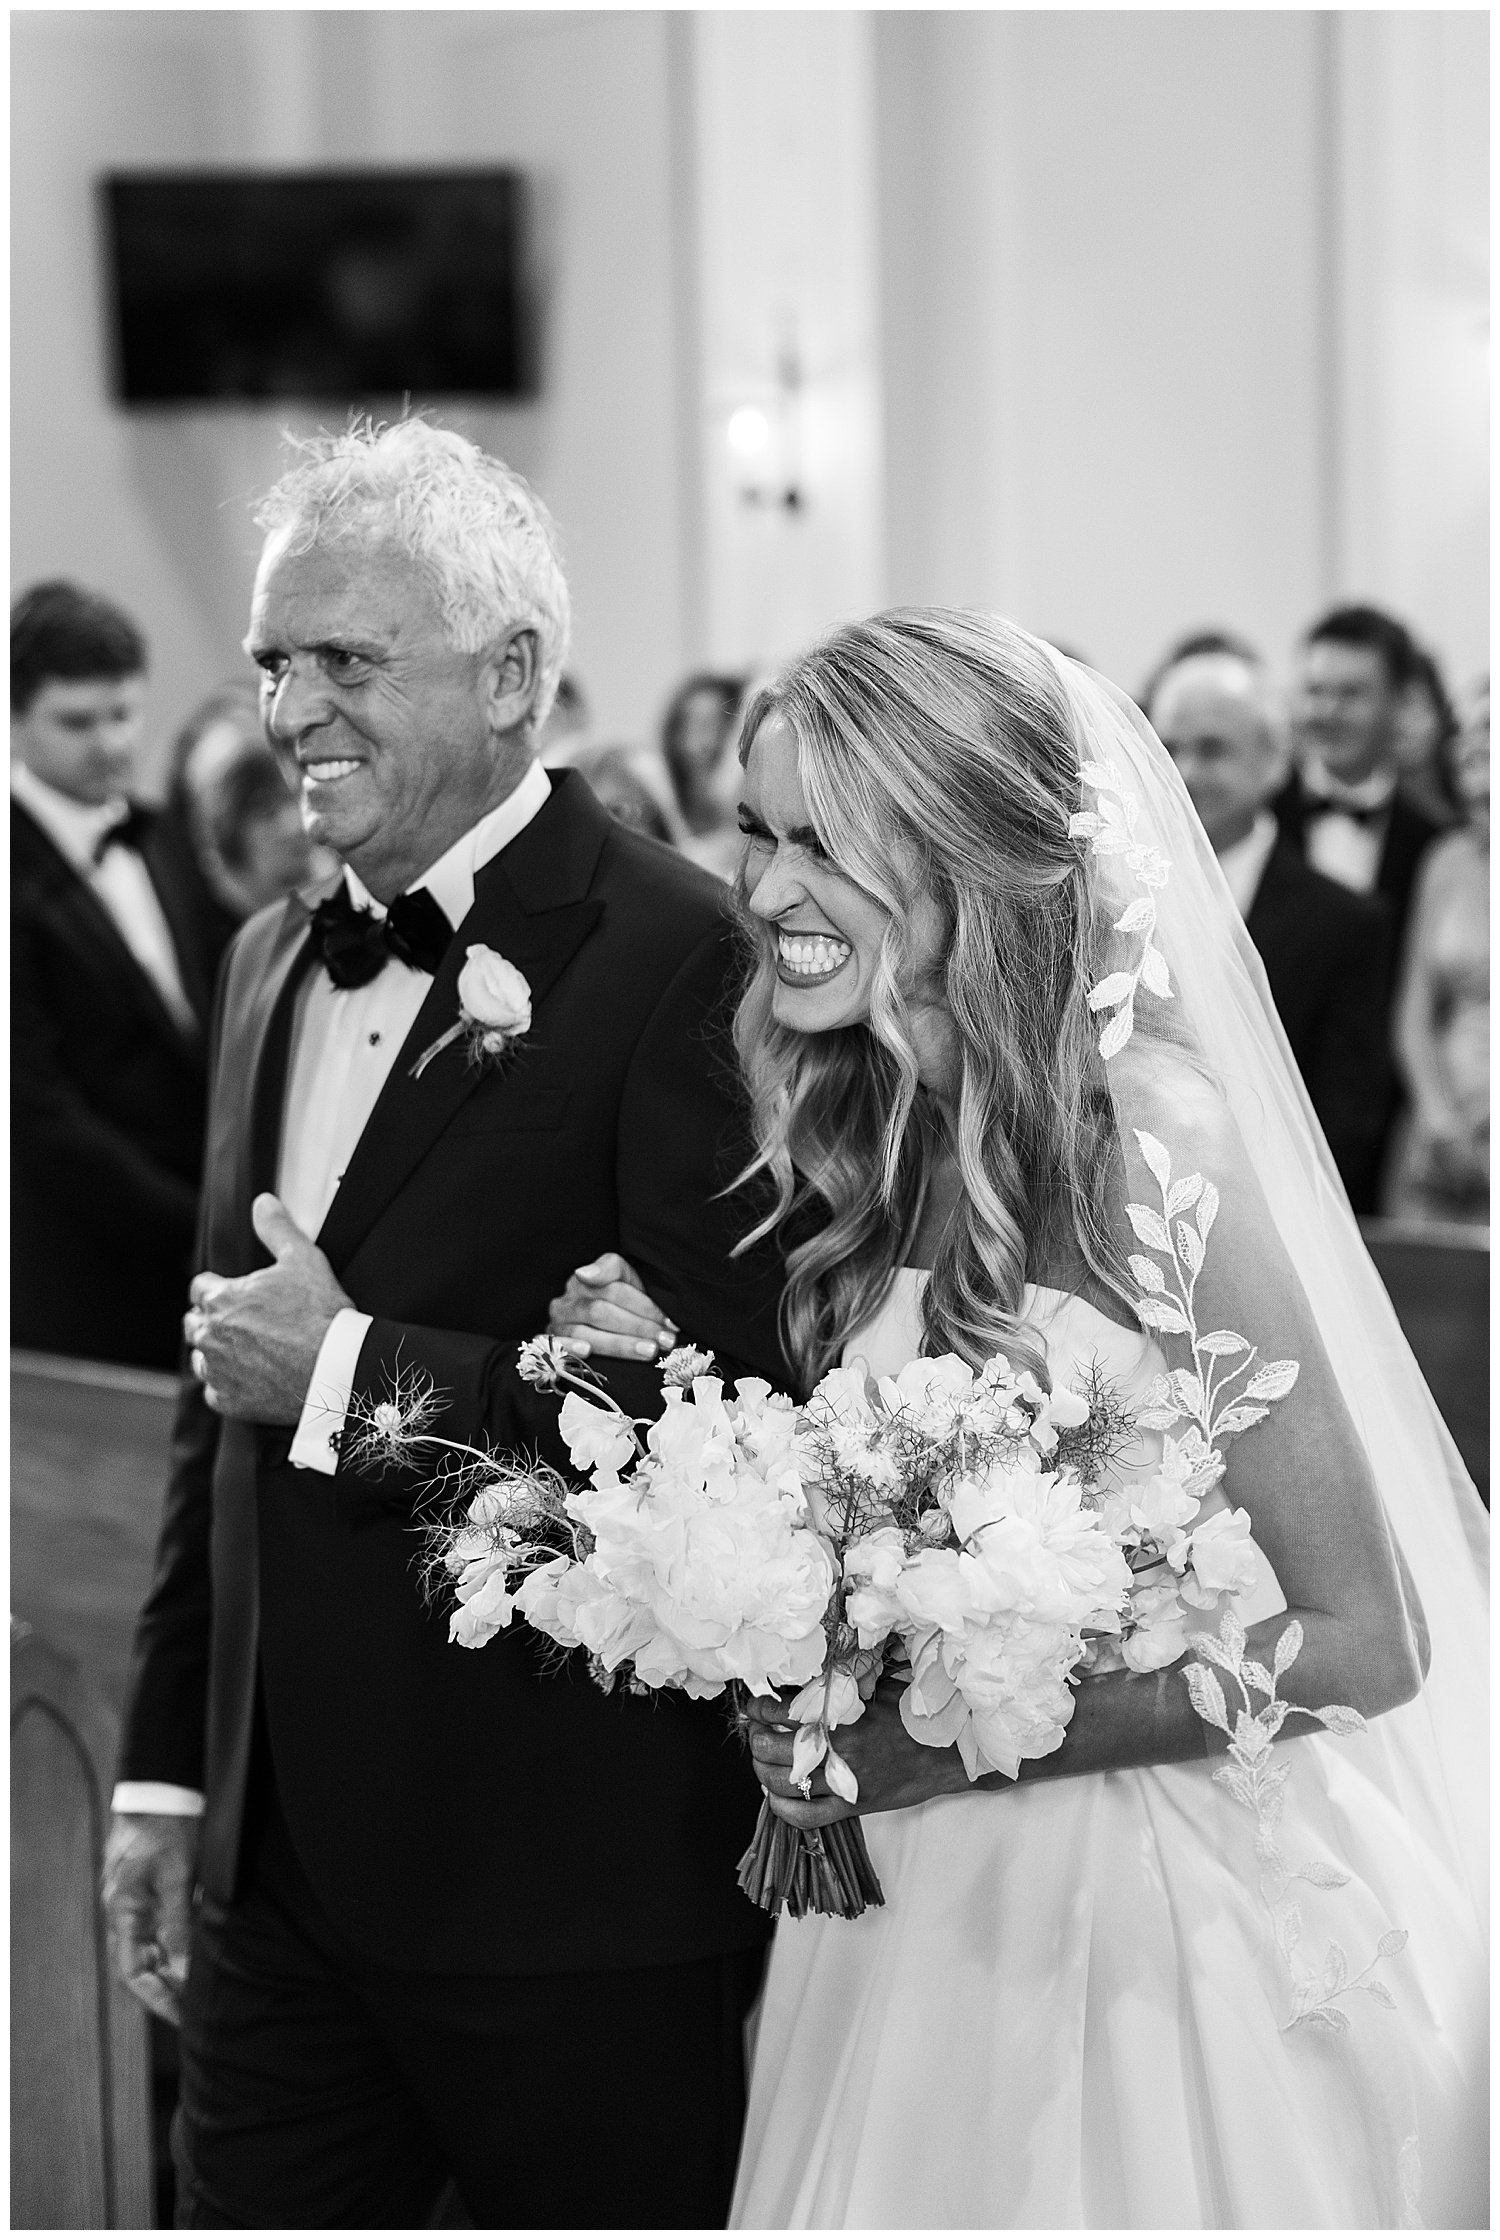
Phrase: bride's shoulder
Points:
(1168, 1095)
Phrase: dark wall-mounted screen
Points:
(329, 284)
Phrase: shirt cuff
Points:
(321, 1425)
(156, 1796)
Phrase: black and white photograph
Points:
(750, 1119)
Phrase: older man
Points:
(1326, 951)
(462, 1917)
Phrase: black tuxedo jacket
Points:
(466, 1810)
(1327, 958)
(1408, 834)
(107, 1116)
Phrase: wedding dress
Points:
(1069, 2011)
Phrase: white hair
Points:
(1239, 677)
(477, 531)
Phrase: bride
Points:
(1001, 994)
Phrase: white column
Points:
(280, 112)
(1413, 321)
(786, 253)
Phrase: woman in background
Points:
(1426, 728)
(1441, 1169)
(697, 742)
(229, 838)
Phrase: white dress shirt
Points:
(1343, 847)
(344, 1043)
(120, 880)
(1244, 863)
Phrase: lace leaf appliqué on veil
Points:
(1216, 1413)
(1111, 831)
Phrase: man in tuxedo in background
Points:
(1341, 808)
(1326, 951)
(107, 1055)
(462, 1916)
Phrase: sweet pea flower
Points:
(1160, 1635)
(1222, 1558)
(1160, 1506)
(484, 1608)
(872, 1569)
(843, 1396)
(1061, 1410)
(930, 1393)
(596, 1438)
(832, 1700)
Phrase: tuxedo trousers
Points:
(322, 2090)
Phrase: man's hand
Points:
(149, 1864)
(891, 1769)
(604, 1310)
(255, 1338)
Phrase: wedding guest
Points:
(1325, 950)
(107, 1058)
(1426, 726)
(1342, 807)
(229, 838)
(569, 721)
(1442, 1165)
(1211, 640)
(438, 1890)
(697, 742)
(632, 784)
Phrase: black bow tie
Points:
(355, 945)
(1325, 805)
(128, 833)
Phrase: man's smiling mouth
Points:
(328, 773)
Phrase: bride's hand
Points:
(605, 1307)
(892, 1770)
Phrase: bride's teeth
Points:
(812, 954)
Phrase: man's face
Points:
(1207, 719)
(389, 727)
(80, 734)
(1347, 709)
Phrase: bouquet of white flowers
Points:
(961, 1528)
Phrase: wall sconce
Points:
(764, 443)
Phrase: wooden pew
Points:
(89, 1447)
(80, 2143)
(1438, 1276)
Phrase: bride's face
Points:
(828, 930)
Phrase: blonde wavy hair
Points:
(938, 757)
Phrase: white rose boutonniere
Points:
(494, 1010)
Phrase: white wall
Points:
(1118, 321)
(1102, 350)
(1412, 209)
(150, 506)
(1184, 319)
(786, 249)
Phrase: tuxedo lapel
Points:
(530, 905)
(264, 1048)
(74, 903)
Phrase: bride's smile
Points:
(830, 932)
